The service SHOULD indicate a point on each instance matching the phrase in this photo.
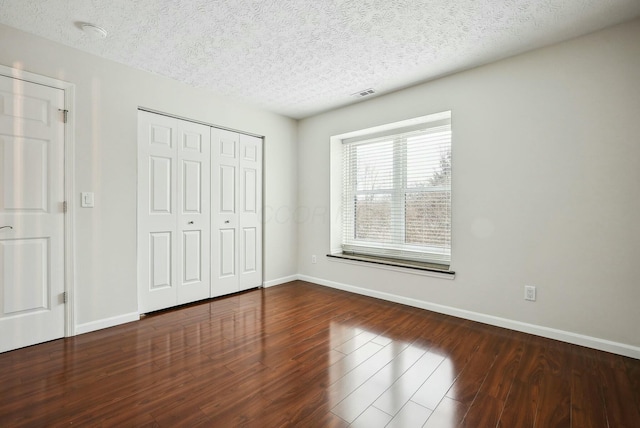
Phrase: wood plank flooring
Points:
(308, 356)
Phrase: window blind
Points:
(397, 194)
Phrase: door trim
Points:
(69, 182)
(161, 113)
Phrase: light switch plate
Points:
(86, 200)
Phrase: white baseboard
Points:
(279, 281)
(551, 333)
(107, 322)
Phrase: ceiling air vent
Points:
(363, 93)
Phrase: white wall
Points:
(107, 98)
(546, 164)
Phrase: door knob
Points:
(190, 222)
(226, 222)
(5, 227)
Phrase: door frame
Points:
(69, 181)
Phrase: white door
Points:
(194, 208)
(225, 162)
(250, 226)
(173, 211)
(31, 213)
(237, 206)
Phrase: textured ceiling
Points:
(301, 57)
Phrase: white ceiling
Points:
(301, 57)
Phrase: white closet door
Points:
(225, 146)
(250, 228)
(193, 197)
(199, 212)
(173, 211)
(157, 186)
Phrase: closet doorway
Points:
(199, 211)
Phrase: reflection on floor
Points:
(398, 385)
(302, 355)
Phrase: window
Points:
(396, 196)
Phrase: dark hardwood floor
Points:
(308, 356)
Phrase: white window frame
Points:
(337, 189)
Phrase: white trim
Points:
(187, 119)
(69, 182)
(399, 126)
(70, 220)
(279, 281)
(551, 333)
(107, 322)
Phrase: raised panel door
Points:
(31, 213)
(250, 215)
(173, 211)
(225, 146)
(194, 211)
(157, 212)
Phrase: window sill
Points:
(416, 268)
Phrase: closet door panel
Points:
(227, 189)
(157, 148)
(160, 267)
(194, 212)
(191, 187)
(250, 196)
(227, 252)
(192, 257)
(250, 250)
(225, 146)
(250, 212)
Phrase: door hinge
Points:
(64, 206)
(65, 114)
(65, 297)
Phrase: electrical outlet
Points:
(530, 293)
(313, 259)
